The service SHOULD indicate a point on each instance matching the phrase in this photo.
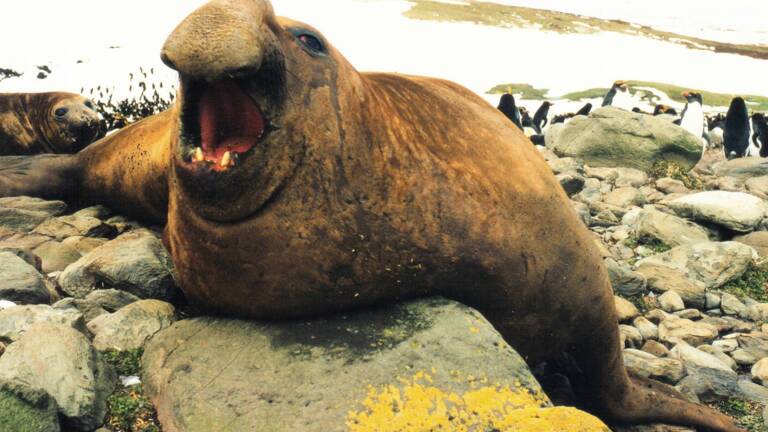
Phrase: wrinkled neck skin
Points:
(46, 130)
(19, 133)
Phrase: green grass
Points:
(527, 91)
(752, 283)
(125, 362)
(128, 410)
(757, 103)
(673, 170)
(747, 413)
(498, 15)
(655, 245)
(586, 94)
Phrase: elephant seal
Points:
(54, 122)
(297, 186)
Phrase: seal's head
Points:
(253, 93)
(69, 121)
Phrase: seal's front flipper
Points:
(44, 176)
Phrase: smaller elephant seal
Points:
(54, 122)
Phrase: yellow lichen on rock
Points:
(418, 406)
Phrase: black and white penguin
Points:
(736, 134)
(540, 117)
(760, 133)
(618, 96)
(692, 119)
(509, 108)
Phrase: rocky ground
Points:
(93, 327)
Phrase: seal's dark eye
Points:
(61, 112)
(89, 104)
(311, 42)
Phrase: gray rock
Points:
(742, 168)
(20, 282)
(712, 300)
(647, 365)
(757, 312)
(625, 197)
(696, 360)
(67, 226)
(61, 361)
(97, 211)
(17, 320)
(758, 186)
(131, 327)
(729, 184)
(111, 299)
(56, 256)
(564, 165)
(625, 310)
(669, 229)
(663, 279)
(674, 330)
(624, 280)
(135, 262)
(658, 315)
(736, 211)
(612, 137)
(89, 310)
(655, 348)
(757, 240)
(713, 264)
(646, 328)
(730, 304)
(249, 368)
(51, 208)
(84, 245)
(582, 210)
(724, 358)
(571, 182)
(26, 409)
(670, 185)
(20, 220)
(670, 301)
(691, 314)
(713, 385)
(726, 345)
(759, 371)
(631, 336)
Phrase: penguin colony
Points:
(740, 134)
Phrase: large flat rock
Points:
(360, 372)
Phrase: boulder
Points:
(16, 320)
(714, 385)
(670, 301)
(742, 168)
(674, 330)
(759, 371)
(71, 225)
(730, 304)
(624, 280)
(624, 197)
(758, 186)
(61, 361)
(695, 360)
(612, 137)
(646, 328)
(669, 185)
(56, 256)
(20, 220)
(51, 208)
(758, 240)
(668, 229)
(345, 372)
(131, 327)
(647, 365)
(135, 262)
(625, 310)
(20, 282)
(737, 211)
(711, 264)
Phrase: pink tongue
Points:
(229, 120)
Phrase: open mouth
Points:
(221, 124)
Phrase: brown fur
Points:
(29, 125)
(373, 188)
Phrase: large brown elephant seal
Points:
(296, 186)
(54, 122)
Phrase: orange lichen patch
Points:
(419, 406)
